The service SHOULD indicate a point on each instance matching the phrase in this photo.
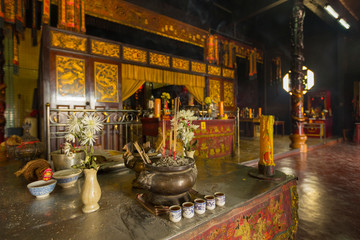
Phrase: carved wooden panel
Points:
(133, 54)
(215, 90)
(228, 94)
(198, 67)
(181, 64)
(228, 73)
(106, 82)
(70, 78)
(68, 41)
(159, 59)
(214, 70)
(105, 49)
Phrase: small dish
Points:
(67, 178)
(41, 189)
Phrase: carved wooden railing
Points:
(120, 127)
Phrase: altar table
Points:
(254, 209)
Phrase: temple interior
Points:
(174, 103)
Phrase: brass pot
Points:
(61, 161)
(168, 185)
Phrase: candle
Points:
(250, 115)
(157, 107)
(266, 140)
(164, 137)
(221, 108)
(259, 112)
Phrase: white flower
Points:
(92, 123)
(70, 137)
(88, 137)
(74, 124)
(67, 149)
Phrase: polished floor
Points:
(328, 188)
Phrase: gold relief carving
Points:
(105, 49)
(106, 82)
(228, 73)
(137, 17)
(159, 59)
(214, 89)
(180, 64)
(228, 94)
(198, 67)
(70, 77)
(133, 54)
(213, 70)
(62, 40)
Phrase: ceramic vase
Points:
(91, 191)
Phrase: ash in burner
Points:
(170, 162)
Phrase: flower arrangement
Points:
(186, 128)
(207, 101)
(83, 130)
(165, 96)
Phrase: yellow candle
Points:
(250, 115)
(221, 108)
(259, 112)
(157, 107)
(266, 140)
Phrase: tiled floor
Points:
(328, 187)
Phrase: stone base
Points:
(298, 141)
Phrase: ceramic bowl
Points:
(67, 177)
(41, 188)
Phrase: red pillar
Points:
(298, 138)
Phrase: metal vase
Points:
(61, 161)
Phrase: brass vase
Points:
(91, 191)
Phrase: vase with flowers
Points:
(84, 130)
(186, 131)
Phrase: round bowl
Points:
(68, 177)
(41, 188)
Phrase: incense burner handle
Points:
(145, 179)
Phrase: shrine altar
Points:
(215, 138)
(254, 209)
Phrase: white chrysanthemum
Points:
(67, 149)
(88, 137)
(70, 137)
(92, 123)
(74, 124)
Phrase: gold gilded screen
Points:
(106, 82)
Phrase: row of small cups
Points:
(200, 206)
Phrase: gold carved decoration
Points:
(198, 67)
(137, 17)
(181, 64)
(68, 41)
(213, 70)
(214, 90)
(106, 82)
(228, 94)
(133, 54)
(70, 77)
(228, 73)
(159, 59)
(105, 49)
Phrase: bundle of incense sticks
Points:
(142, 153)
(177, 100)
(164, 137)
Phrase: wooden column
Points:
(298, 137)
(2, 88)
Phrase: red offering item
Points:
(47, 174)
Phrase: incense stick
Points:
(164, 138)
(142, 153)
(175, 124)
(171, 135)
